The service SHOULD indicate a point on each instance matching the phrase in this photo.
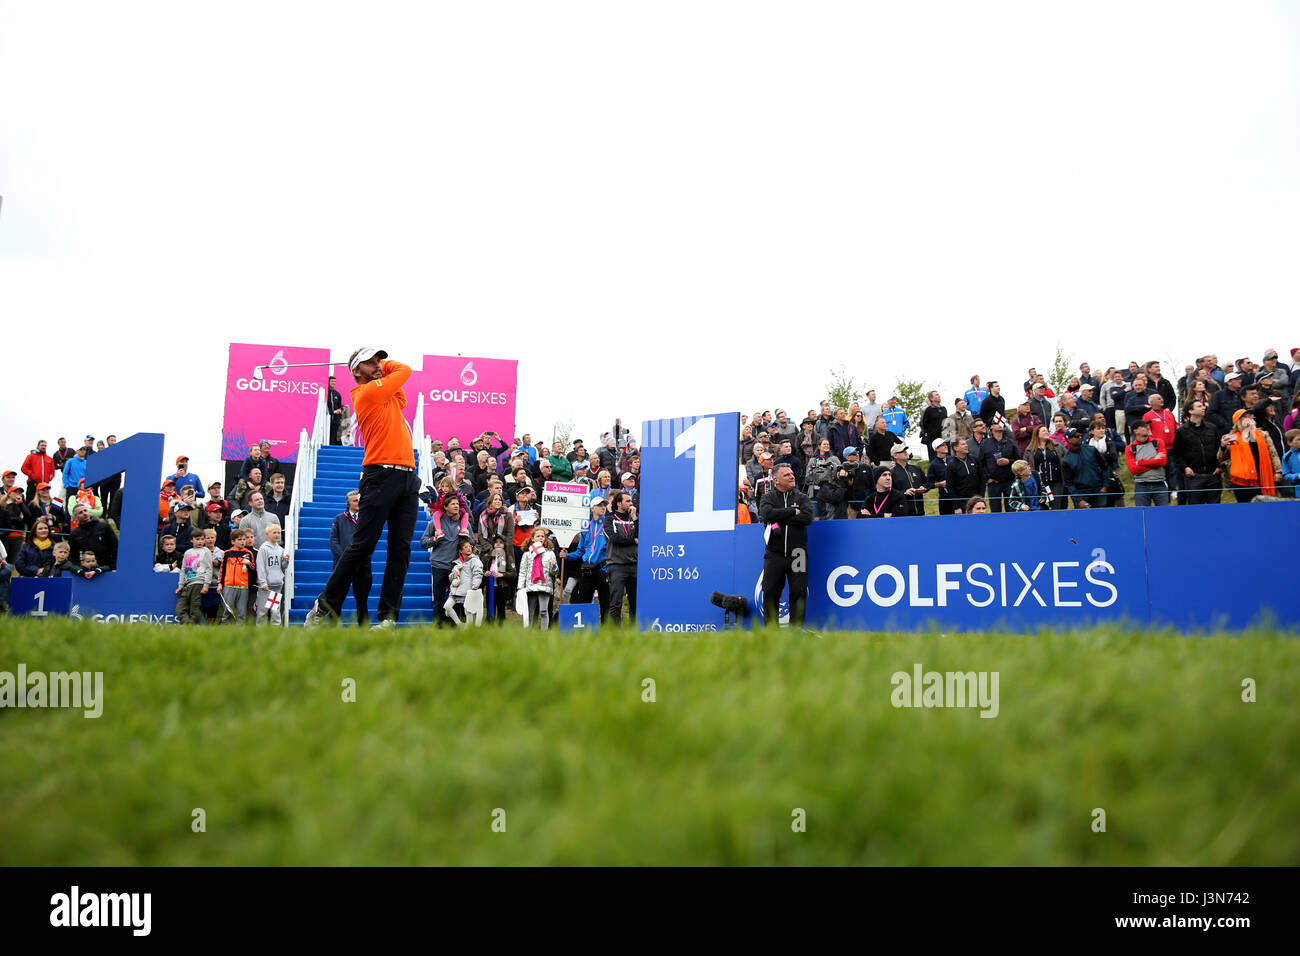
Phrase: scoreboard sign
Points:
(566, 510)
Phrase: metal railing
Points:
(423, 457)
(303, 481)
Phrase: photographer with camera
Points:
(787, 512)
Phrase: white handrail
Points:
(423, 457)
(304, 478)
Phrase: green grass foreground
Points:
(250, 725)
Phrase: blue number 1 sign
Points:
(133, 592)
(687, 516)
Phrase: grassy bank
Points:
(447, 727)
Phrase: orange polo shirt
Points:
(378, 408)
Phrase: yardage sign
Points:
(566, 510)
(687, 520)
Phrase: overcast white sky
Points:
(660, 209)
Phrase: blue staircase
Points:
(338, 471)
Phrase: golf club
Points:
(257, 369)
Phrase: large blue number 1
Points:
(140, 459)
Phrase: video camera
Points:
(734, 608)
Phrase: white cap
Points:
(365, 355)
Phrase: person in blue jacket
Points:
(184, 478)
(975, 395)
(74, 471)
(895, 418)
(593, 578)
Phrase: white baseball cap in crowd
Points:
(365, 355)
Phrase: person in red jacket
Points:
(38, 467)
(1146, 458)
(1163, 426)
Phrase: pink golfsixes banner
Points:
(464, 397)
(277, 407)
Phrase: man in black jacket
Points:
(965, 479)
(93, 534)
(1158, 384)
(994, 404)
(909, 481)
(932, 421)
(1226, 401)
(787, 513)
(996, 455)
(1196, 458)
(334, 408)
(622, 533)
(1040, 405)
(937, 476)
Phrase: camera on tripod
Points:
(734, 608)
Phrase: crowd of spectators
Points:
(1030, 449)
(998, 449)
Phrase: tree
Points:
(911, 397)
(1062, 370)
(561, 431)
(843, 389)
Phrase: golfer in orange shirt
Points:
(389, 489)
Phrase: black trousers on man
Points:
(594, 581)
(622, 580)
(1201, 490)
(362, 579)
(388, 497)
(778, 570)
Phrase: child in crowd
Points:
(238, 570)
(196, 579)
(501, 573)
(538, 570)
(1024, 490)
(167, 560)
(1291, 464)
(211, 602)
(447, 487)
(62, 566)
(271, 565)
(466, 576)
(88, 568)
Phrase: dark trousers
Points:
(31, 492)
(1201, 490)
(946, 504)
(388, 497)
(503, 598)
(441, 586)
(995, 491)
(777, 570)
(594, 581)
(361, 582)
(622, 580)
(334, 429)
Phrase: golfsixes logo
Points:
(275, 381)
(466, 394)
